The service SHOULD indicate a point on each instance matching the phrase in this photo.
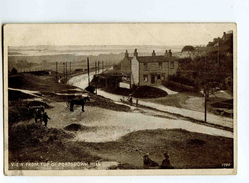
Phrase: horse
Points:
(37, 112)
(79, 101)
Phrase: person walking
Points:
(130, 99)
(45, 118)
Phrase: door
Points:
(152, 78)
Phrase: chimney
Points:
(153, 53)
(224, 33)
(135, 53)
(170, 53)
(126, 54)
(166, 53)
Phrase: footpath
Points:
(211, 118)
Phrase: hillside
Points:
(43, 83)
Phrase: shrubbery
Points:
(188, 48)
(182, 80)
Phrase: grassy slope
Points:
(35, 143)
(186, 149)
(43, 83)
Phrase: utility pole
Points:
(96, 82)
(98, 67)
(88, 71)
(66, 72)
(70, 69)
(56, 71)
(205, 91)
(95, 67)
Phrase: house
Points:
(126, 64)
(148, 70)
(227, 35)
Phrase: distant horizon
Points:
(80, 50)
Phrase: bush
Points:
(182, 80)
(91, 89)
(188, 48)
(148, 92)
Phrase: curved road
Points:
(82, 82)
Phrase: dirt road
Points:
(81, 82)
(102, 125)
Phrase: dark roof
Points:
(154, 58)
(129, 58)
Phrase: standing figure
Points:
(37, 111)
(130, 99)
(45, 118)
(136, 102)
(166, 163)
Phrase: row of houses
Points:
(147, 70)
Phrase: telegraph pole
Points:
(95, 67)
(88, 71)
(56, 71)
(205, 91)
(66, 72)
(70, 69)
(98, 67)
(96, 82)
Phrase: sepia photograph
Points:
(98, 99)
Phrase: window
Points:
(163, 76)
(171, 65)
(145, 66)
(159, 76)
(160, 65)
(145, 76)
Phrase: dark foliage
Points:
(182, 80)
(188, 48)
(148, 92)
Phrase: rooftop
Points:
(160, 58)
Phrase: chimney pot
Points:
(126, 54)
(135, 53)
(153, 53)
(166, 53)
(170, 53)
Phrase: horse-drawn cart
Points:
(37, 112)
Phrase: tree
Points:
(188, 48)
